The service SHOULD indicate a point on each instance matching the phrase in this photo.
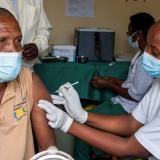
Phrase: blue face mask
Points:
(151, 65)
(10, 65)
(131, 43)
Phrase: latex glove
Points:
(57, 118)
(59, 100)
(72, 103)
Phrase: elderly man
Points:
(133, 135)
(35, 27)
(20, 91)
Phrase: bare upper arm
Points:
(39, 89)
(44, 134)
(39, 92)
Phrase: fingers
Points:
(51, 117)
(58, 100)
(51, 124)
(55, 97)
(30, 51)
(47, 106)
(60, 94)
(100, 83)
(44, 102)
(65, 92)
(54, 124)
(66, 85)
(95, 78)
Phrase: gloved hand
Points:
(57, 118)
(71, 102)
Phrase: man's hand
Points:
(100, 82)
(70, 100)
(57, 118)
(106, 82)
(30, 51)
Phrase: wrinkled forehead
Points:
(8, 23)
(153, 37)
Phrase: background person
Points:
(130, 91)
(35, 27)
(132, 135)
(20, 91)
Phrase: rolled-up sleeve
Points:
(148, 113)
(149, 137)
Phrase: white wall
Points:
(109, 14)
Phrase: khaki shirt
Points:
(16, 141)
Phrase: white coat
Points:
(33, 22)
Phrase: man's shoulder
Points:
(25, 74)
(25, 71)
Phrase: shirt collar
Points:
(10, 91)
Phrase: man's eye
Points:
(155, 53)
(2, 40)
(19, 40)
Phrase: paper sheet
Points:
(80, 8)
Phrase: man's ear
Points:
(135, 36)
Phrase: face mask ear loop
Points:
(141, 36)
(138, 37)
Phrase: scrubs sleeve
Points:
(148, 113)
(141, 83)
(44, 29)
(141, 111)
(149, 137)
